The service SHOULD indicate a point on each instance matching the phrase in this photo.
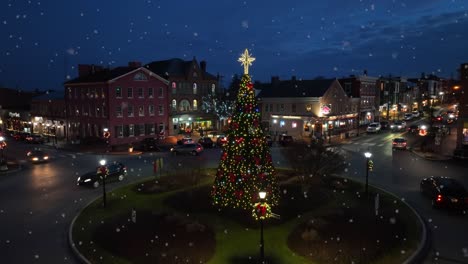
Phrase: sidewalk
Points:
(444, 151)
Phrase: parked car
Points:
(21, 136)
(398, 125)
(221, 140)
(34, 139)
(408, 116)
(117, 171)
(148, 144)
(374, 127)
(206, 142)
(399, 143)
(384, 125)
(415, 113)
(37, 156)
(190, 148)
(185, 140)
(285, 140)
(445, 192)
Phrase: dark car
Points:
(35, 139)
(413, 129)
(149, 144)
(36, 156)
(117, 171)
(206, 142)
(445, 192)
(21, 136)
(384, 125)
(189, 148)
(285, 140)
(399, 143)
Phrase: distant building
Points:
(130, 102)
(15, 106)
(304, 108)
(189, 82)
(462, 123)
(365, 88)
(48, 114)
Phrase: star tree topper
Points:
(246, 60)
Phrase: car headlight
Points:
(79, 178)
(172, 149)
(35, 158)
(399, 126)
(46, 157)
(87, 180)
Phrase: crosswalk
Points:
(370, 141)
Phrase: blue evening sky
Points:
(41, 42)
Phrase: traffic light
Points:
(370, 165)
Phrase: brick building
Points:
(130, 102)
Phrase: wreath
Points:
(261, 211)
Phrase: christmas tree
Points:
(246, 166)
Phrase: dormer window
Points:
(140, 77)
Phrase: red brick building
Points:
(130, 102)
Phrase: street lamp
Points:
(262, 195)
(103, 171)
(2, 145)
(106, 135)
(368, 155)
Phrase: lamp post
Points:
(103, 172)
(262, 195)
(106, 135)
(3, 163)
(368, 155)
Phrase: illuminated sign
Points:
(325, 109)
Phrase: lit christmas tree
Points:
(245, 167)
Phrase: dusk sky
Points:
(42, 42)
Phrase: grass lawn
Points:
(327, 222)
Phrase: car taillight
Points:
(439, 198)
(404, 143)
(394, 143)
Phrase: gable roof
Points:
(296, 88)
(103, 75)
(175, 67)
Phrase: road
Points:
(38, 203)
(400, 172)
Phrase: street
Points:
(38, 203)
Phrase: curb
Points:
(77, 253)
(11, 171)
(430, 156)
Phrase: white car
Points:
(398, 125)
(415, 113)
(374, 127)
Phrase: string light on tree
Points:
(246, 165)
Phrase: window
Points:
(161, 127)
(161, 92)
(213, 88)
(92, 92)
(131, 130)
(140, 92)
(184, 105)
(130, 111)
(118, 111)
(150, 92)
(129, 92)
(194, 88)
(282, 107)
(151, 110)
(195, 75)
(98, 92)
(174, 88)
(282, 123)
(161, 110)
(141, 111)
(98, 111)
(141, 129)
(149, 129)
(69, 91)
(174, 105)
(118, 131)
(195, 104)
(293, 108)
(103, 111)
(118, 92)
(266, 107)
(140, 77)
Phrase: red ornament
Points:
(232, 177)
(250, 85)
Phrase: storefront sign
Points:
(13, 114)
(325, 109)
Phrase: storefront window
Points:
(465, 136)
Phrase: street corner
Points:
(10, 167)
(430, 155)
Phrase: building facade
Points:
(48, 115)
(189, 82)
(128, 102)
(306, 108)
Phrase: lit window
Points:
(140, 77)
(141, 111)
(294, 124)
(174, 104)
(194, 88)
(195, 104)
(184, 105)
(282, 123)
(174, 88)
(213, 88)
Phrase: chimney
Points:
(203, 66)
(134, 64)
(275, 81)
(84, 70)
